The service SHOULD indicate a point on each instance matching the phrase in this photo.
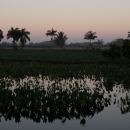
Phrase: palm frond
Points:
(51, 32)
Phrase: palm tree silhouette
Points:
(90, 36)
(60, 39)
(51, 33)
(15, 34)
(1, 35)
(100, 42)
(23, 36)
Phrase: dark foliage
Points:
(90, 36)
(23, 36)
(113, 53)
(17, 34)
(51, 33)
(126, 48)
(60, 39)
(1, 35)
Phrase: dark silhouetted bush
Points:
(113, 53)
(126, 48)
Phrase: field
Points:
(58, 63)
(57, 55)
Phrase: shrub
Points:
(126, 48)
(112, 53)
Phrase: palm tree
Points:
(51, 33)
(90, 36)
(128, 34)
(60, 39)
(1, 35)
(100, 42)
(15, 34)
(23, 36)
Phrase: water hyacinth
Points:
(49, 99)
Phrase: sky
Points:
(110, 19)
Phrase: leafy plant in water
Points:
(48, 105)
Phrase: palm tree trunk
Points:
(90, 44)
(51, 41)
(13, 44)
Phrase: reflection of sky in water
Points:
(109, 119)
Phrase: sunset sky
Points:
(110, 19)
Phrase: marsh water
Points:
(32, 103)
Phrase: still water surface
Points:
(109, 114)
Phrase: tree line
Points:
(58, 38)
(17, 35)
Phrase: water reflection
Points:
(45, 99)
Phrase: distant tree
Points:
(51, 33)
(24, 37)
(15, 34)
(128, 34)
(1, 35)
(90, 36)
(100, 42)
(60, 39)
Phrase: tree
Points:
(60, 39)
(90, 36)
(100, 42)
(1, 35)
(15, 34)
(128, 34)
(51, 33)
(23, 36)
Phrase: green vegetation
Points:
(67, 95)
(48, 99)
(63, 56)
(54, 102)
(30, 68)
(126, 48)
(113, 53)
